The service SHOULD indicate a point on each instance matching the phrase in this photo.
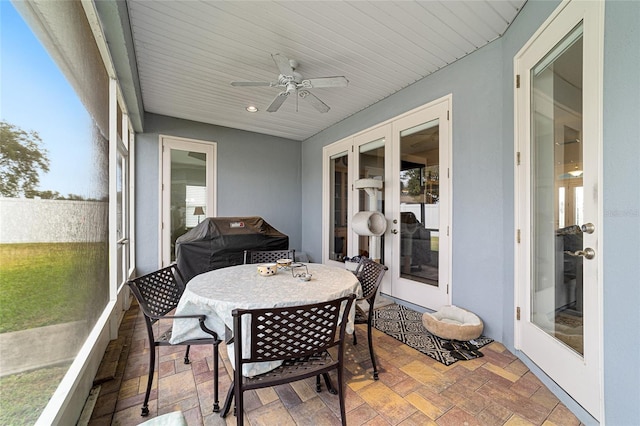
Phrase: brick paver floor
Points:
(497, 389)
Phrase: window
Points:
(57, 226)
(339, 201)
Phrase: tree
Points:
(414, 183)
(22, 158)
(45, 195)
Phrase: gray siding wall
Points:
(258, 175)
(483, 265)
(480, 257)
(621, 194)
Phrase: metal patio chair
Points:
(158, 293)
(298, 335)
(268, 256)
(370, 274)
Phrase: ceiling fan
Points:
(294, 84)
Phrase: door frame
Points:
(387, 129)
(342, 146)
(172, 142)
(562, 20)
(404, 288)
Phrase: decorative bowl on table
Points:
(267, 269)
(305, 276)
(284, 263)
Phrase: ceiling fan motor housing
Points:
(291, 80)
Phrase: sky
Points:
(35, 95)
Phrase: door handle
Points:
(588, 228)
(587, 253)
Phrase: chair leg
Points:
(216, 402)
(343, 411)
(371, 354)
(227, 402)
(152, 364)
(186, 355)
(327, 381)
(239, 397)
(330, 387)
(355, 339)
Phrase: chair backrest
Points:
(290, 332)
(268, 256)
(158, 292)
(370, 274)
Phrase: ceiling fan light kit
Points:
(292, 82)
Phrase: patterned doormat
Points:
(405, 325)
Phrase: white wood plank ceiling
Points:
(188, 53)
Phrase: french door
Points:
(187, 189)
(420, 231)
(558, 201)
(400, 169)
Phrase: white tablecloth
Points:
(216, 293)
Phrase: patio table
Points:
(217, 293)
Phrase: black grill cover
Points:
(217, 242)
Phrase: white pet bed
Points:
(453, 323)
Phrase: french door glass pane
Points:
(120, 216)
(188, 192)
(419, 202)
(371, 167)
(339, 168)
(557, 198)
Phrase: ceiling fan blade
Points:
(283, 64)
(338, 81)
(277, 102)
(314, 100)
(251, 83)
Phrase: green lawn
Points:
(24, 396)
(44, 284)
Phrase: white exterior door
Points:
(420, 207)
(410, 157)
(187, 189)
(558, 201)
